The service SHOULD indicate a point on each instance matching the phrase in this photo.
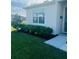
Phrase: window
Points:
(38, 18)
(41, 19)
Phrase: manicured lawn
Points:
(25, 46)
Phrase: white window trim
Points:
(37, 15)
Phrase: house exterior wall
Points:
(60, 13)
(59, 20)
(52, 16)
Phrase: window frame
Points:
(37, 15)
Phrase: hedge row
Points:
(35, 29)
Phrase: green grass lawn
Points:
(24, 46)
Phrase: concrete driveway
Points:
(58, 42)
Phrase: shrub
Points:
(36, 29)
(22, 28)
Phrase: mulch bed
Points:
(47, 37)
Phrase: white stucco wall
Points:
(60, 12)
(50, 15)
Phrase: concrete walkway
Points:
(58, 42)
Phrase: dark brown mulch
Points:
(47, 37)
